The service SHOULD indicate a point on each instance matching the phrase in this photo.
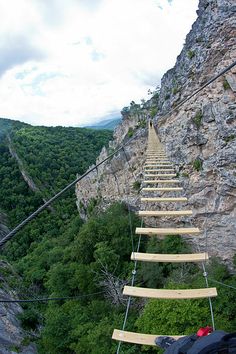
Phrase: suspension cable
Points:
(223, 284)
(134, 271)
(200, 89)
(50, 298)
(205, 275)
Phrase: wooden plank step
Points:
(153, 161)
(164, 199)
(159, 166)
(161, 175)
(162, 181)
(152, 164)
(157, 159)
(160, 170)
(158, 162)
(163, 162)
(164, 212)
(169, 293)
(137, 338)
(149, 189)
(173, 258)
(166, 231)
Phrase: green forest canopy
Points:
(59, 255)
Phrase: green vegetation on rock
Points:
(197, 165)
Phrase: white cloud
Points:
(96, 58)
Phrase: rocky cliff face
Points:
(13, 339)
(200, 138)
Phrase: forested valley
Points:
(59, 255)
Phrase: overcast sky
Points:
(74, 62)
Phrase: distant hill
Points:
(108, 124)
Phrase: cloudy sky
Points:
(75, 62)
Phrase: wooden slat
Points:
(138, 338)
(154, 161)
(166, 231)
(162, 181)
(155, 165)
(164, 162)
(161, 157)
(164, 212)
(161, 175)
(158, 165)
(173, 258)
(167, 199)
(158, 170)
(170, 294)
(157, 160)
(149, 189)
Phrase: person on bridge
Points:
(206, 341)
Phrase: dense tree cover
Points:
(51, 157)
(77, 263)
(58, 255)
(73, 264)
(61, 153)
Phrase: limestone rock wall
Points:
(13, 339)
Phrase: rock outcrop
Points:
(13, 339)
(199, 138)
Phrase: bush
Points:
(191, 54)
(175, 90)
(229, 138)
(226, 85)
(130, 132)
(185, 174)
(142, 123)
(197, 165)
(136, 185)
(153, 112)
(197, 119)
(29, 319)
(167, 96)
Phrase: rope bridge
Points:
(157, 170)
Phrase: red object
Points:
(204, 331)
